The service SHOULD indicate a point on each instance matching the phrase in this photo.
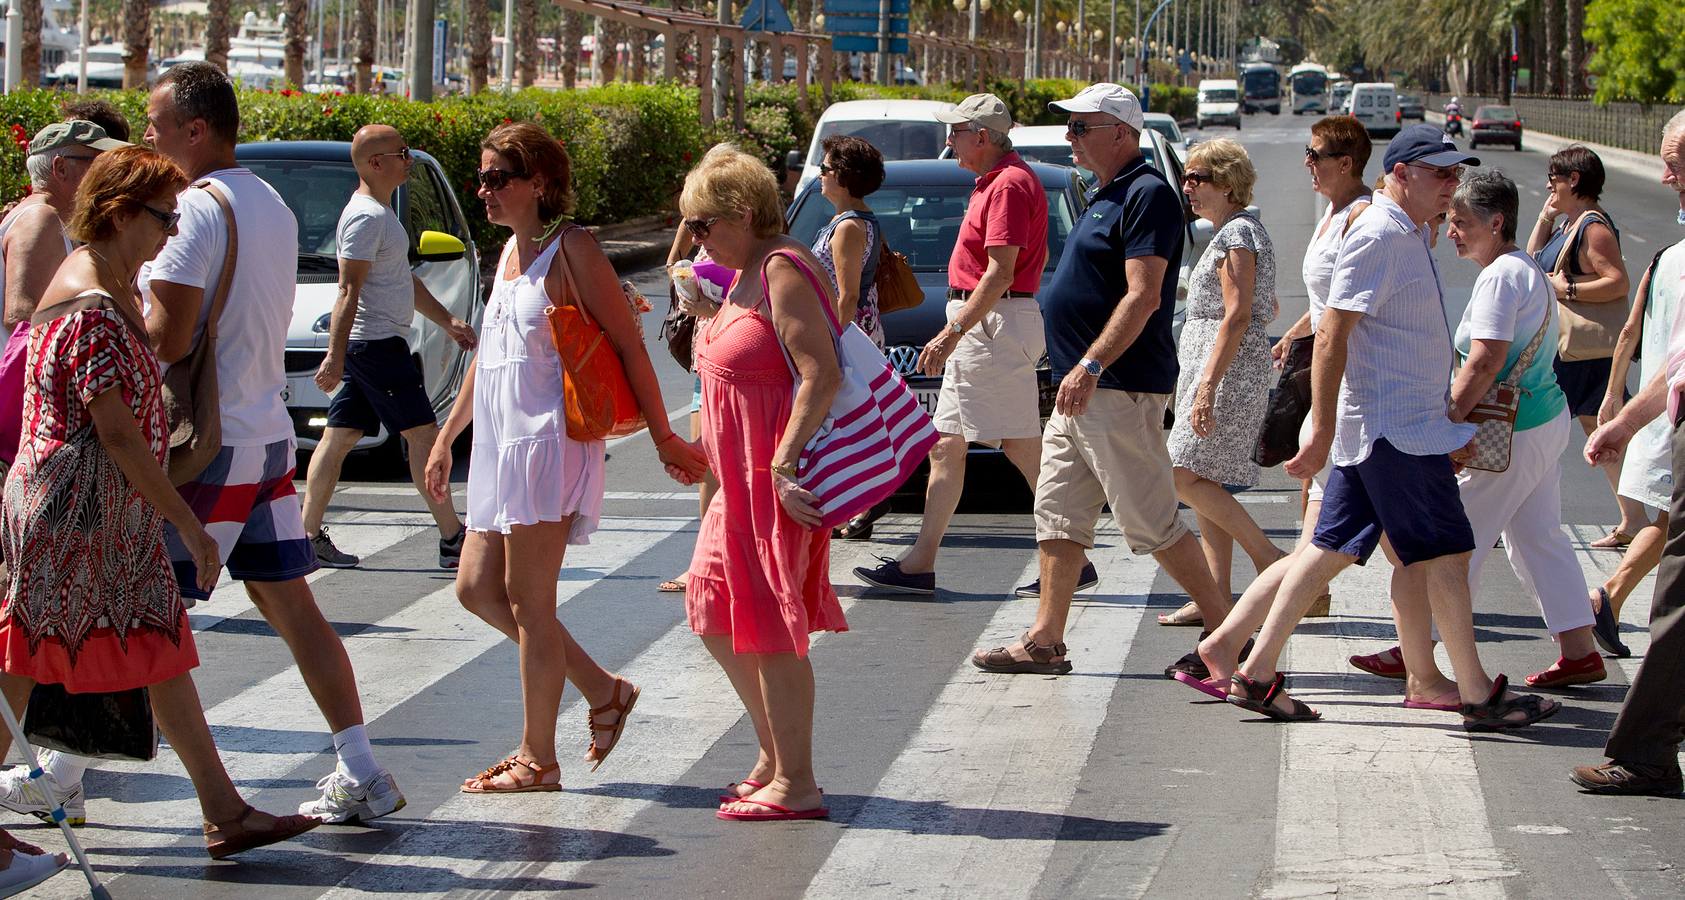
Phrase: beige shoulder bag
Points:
(191, 398)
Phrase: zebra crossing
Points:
(943, 781)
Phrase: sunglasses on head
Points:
(699, 228)
(1314, 155)
(1078, 129)
(167, 219)
(495, 179)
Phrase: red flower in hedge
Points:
(327, 110)
(687, 156)
(288, 92)
(508, 121)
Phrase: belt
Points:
(957, 294)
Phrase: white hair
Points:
(40, 166)
(1674, 125)
(1002, 142)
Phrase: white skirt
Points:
(1647, 466)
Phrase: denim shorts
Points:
(1413, 499)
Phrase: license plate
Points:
(927, 398)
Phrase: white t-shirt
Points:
(370, 231)
(252, 334)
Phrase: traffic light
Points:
(1514, 58)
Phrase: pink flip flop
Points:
(777, 814)
(733, 798)
(1210, 688)
(1429, 704)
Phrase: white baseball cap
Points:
(1114, 100)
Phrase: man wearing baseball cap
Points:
(1380, 386)
(987, 352)
(1108, 310)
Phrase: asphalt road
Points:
(943, 782)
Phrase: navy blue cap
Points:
(1425, 144)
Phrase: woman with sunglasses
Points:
(92, 601)
(760, 579)
(532, 490)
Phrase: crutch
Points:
(36, 774)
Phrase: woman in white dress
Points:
(532, 490)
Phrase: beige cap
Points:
(1114, 100)
(74, 133)
(986, 110)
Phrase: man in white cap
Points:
(987, 352)
(1108, 309)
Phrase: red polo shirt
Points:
(1008, 208)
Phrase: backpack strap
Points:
(219, 298)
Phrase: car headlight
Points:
(323, 324)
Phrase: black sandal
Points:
(1260, 699)
(1493, 714)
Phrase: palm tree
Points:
(1574, 22)
(1551, 11)
(137, 38)
(365, 44)
(216, 33)
(479, 45)
(526, 41)
(31, 48)
(298, 25)
(573, 27)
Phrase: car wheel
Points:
(1518, 145)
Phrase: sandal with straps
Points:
(224, 839)
(1261, 699)
(483, 784)
(1493, 715)
(595, 755)
(1046, 659)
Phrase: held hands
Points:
(1612, 406)
(802, 505)
(463, 334)
(1608, 442)
(438, 472)
(330, 373)
(682, 459)
(1202, 415)
(1075, 390)
(935, 353)
(207, 558)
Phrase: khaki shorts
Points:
(1113, 453)
(989, 389)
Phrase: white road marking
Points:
(973, 751)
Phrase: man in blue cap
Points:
(1380, 391)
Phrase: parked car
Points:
(1410, 105)
(900, 129)
(1339, 99)
(1375, 104)
(1165, 125)
(1496, 125)
(1219, 102)
(315, 179)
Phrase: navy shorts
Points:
(382, 386)
(1413, 499)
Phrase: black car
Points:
(1496, 125)
(1410, 107)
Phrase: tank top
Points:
(1550, 254)
(1318, 267)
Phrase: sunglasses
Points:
(1455, 173)
(403, 154)
(1314, 155)
(1198, 178)
(699, 228)
(166, 219)
(826, 168)
(497, 179)
(1078, 129)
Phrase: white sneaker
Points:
(20, 794)
(344, 800)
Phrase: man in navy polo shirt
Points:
(1107, 311)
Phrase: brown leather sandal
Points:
(1043, 659)
(224, 839)
(483, 784)
(595, 755)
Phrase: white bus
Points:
(1308, 83)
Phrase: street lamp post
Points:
(1111, 48)
(1035, 31)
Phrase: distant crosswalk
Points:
(925, 822)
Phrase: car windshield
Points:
(1222, 95)
(1495, 112)
(1055, 154)
(1168, 129)
(894, 138)
(923, 221)
(316, 191)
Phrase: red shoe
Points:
(1565, 672)
(1389, 663)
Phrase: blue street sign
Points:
(766, 15)
(865, 43)
(865, 8)
(852, 24)
(441, 35)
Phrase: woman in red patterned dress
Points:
(91, 601)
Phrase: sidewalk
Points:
(637, 243)
(1642, 165)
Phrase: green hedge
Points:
(631, 144)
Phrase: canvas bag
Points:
(875, 433)
(1588, 330)
(192, 401)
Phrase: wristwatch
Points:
(956, 328)
(1091, 366)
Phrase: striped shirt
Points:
(1399, 357)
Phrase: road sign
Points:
(441, 32)
(853, 25)
(766, 15)
(865, 43)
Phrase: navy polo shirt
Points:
(1135, 214)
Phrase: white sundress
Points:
(525, 469)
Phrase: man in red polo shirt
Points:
(988, 351)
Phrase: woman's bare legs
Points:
(786, 682)
(1633, 513)
(1641, 558)
(744, 673)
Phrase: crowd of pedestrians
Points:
(128, 260)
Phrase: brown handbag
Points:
(897, 288)
(191, 398)
(1588, 330)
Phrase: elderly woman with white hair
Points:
(1225, 358)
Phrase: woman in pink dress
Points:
(760, 580)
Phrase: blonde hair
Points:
(1231, 168)
(726, 183)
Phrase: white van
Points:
(1375, 104)
(1219, 102)
(900, 129)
